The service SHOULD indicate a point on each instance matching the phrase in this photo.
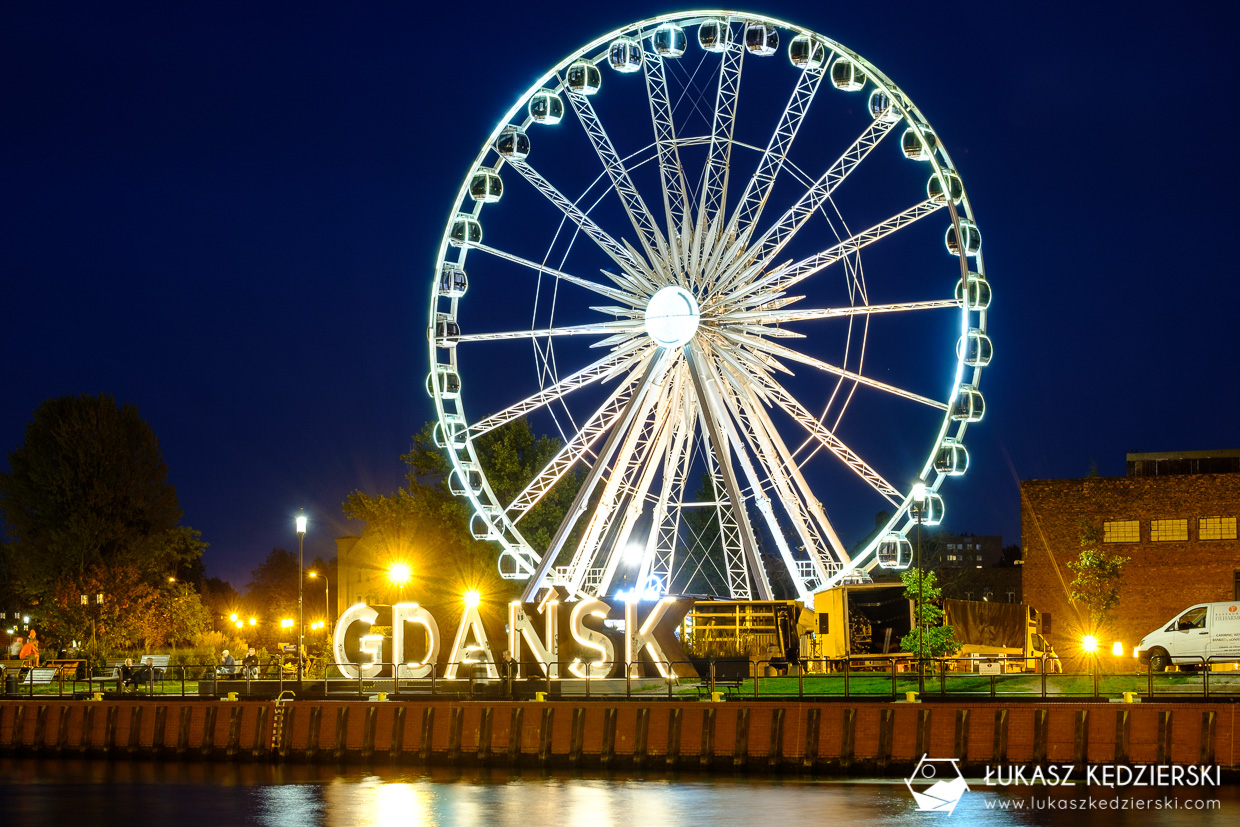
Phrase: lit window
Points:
(1164, 531)
(1216, 528)
(1122, 531)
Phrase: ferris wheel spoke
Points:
(578, 446)
(626, 490)
(671, 173)
(621, 426)
(596, 329)
(637, 271)
(643, 223)
(613, 362)
(712, 415)
(780, 316)
(769, 245)
(610, 292)
(713, 200)
(752, 201)
(789, 404)
(658, 558)
(779, 351)
(826, 556)
(774, 283)
(762, 497)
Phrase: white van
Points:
(1207, 630)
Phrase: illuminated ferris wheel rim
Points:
(644, 284)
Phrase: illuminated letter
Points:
(359, 613)
(521, 626)
(590, 639)
(648, 636)
(480, 652)
(403, 613)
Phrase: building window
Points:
(1164, 531)
(1011, 596)
(1216, 528)
(1121, 531)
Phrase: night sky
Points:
(228, 215)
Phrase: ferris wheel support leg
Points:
(587, 486)
(711, 414)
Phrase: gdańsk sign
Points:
(563, 640)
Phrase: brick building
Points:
(1174, 516)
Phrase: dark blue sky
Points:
(229, 216)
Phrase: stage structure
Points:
(732, 268)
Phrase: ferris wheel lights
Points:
(969, 405)
(918, 147)
(895, 552)
(546, 107)
(975, 348)
(451, 432)
(452, 281)
(972, 238)
(486, 186)
(847, 75)
(465, 230)
(807, 53)
(952, 459)
(669, 40)
(714, 35)
(882, 107)
(584, 78)
(932, 511)
(974, 292)
(938, 193)
(761, 39)
(446, 331)
(444, 382)
(672, 317)
(465, 479)
(513, 143)
(625, 55)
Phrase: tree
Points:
(1099, 576)
(175, 618)
(939, 640)
(88, 490)
(426, 526)
(272, 593)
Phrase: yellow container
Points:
(910, 697)
(716, 697)
(382, 697)
(540, 697)
(232, 696)
(98, 696)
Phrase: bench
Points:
(111, 671)
(40, 676)
(70, 668)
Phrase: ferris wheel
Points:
(730, 267)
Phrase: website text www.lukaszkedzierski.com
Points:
(1116, 803)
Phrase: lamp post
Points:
(917, 507)
(301, 620)
(327, 603)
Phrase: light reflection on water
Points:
(45, 791)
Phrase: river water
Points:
(174, 794)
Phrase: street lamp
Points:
(917, 506)
(399, 574)
(301, 621)
(327, 604)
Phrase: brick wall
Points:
(1161, 578)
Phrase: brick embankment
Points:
(826, 737)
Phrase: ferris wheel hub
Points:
(672, 317)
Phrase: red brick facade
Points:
(1161, 578)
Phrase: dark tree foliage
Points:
(88, 491)
(273, 588)
(425, 524)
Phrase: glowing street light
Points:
(286, 623)
(1089, 644)
(326, 592)
(301, 579)
(399, 574)
(472, 598)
